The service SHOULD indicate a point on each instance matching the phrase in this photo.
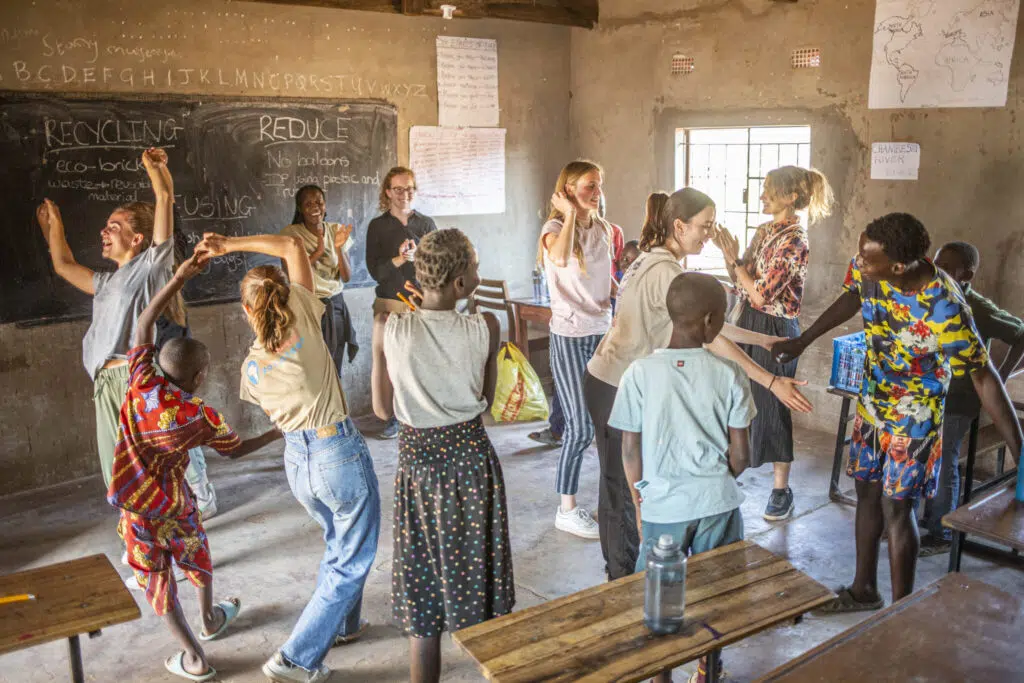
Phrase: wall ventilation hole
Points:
(806, 58)
(681, 64)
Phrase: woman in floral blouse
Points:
(770, 283)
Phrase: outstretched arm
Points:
(288, 249)
(155, 162)
(186, 271)
(997, 404)
(254, 444)
(64, 263)
(841, 310)
(784, 388)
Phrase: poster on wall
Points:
(895, 160)
(942, 53)
(467, 82)
(459, 171)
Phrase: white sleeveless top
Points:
(436, 361)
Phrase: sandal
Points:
(545, 437)
(176, 665)
(230, 608)
(352, 637)
(845, 602)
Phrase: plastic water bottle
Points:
(665, 587)
(538, 285)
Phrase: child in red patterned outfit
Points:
(160, 421)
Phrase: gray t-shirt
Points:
(436, 361)
(120, 298)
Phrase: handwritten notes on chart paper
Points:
(895, 160)
(459, 171)
(467, 82)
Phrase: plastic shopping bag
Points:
(519, 395)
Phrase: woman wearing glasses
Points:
(391, 243)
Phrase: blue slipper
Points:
(231, 608)
(176, 665)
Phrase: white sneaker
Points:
(124, 558)
(132, 583)
(179, 575)
(280, 671)
(577, 522)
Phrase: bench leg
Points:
(714, 666)
(75, 655)
(956, 551)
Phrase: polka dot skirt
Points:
(452, 559)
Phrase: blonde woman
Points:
(770, 281)
(575, 250)
(290, 375)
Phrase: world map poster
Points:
(942, 53)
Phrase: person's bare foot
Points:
(194, 664)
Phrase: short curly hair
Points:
(442, 256)
(903, 237)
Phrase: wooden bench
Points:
(71, 598)
(957, 629)
(598, 634)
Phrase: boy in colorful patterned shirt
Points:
(160, 421)
(920, 334)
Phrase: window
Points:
(729, 165)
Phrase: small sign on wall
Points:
(895, 160)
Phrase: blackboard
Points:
(236, 165)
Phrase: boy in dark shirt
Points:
(960, 260)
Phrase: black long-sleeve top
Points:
(383, 238)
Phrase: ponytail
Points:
(810, 186)
(265, 293)
(650, 234)
(664, 210)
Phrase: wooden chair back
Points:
(493, 294)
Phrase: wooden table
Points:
(528, 310)
(598, 634)
(995, 516)
(957, 629)
(81, 596)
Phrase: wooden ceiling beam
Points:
(582, 13)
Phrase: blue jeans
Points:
(332, 476)
(947, 495)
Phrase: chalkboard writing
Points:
(236, 165)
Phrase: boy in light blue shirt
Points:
(685, 415)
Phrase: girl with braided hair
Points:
(290, 374)
(435, 370)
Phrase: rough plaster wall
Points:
(203, 47)
(626, 106)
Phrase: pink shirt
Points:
(581, 301)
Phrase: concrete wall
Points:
(47, 425)
(626, 106)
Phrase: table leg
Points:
(714, 666)
(75, 655)
(523, 334)
(834, 493)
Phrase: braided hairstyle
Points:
(265, 293)
(441, 257)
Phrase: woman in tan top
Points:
(675, 227)
(289, 373)
(328, 245)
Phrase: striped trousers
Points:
(569, 358)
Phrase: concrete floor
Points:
(266, 551)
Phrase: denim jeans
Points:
(947, 496)
(332, 476)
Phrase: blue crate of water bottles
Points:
(848, 362)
